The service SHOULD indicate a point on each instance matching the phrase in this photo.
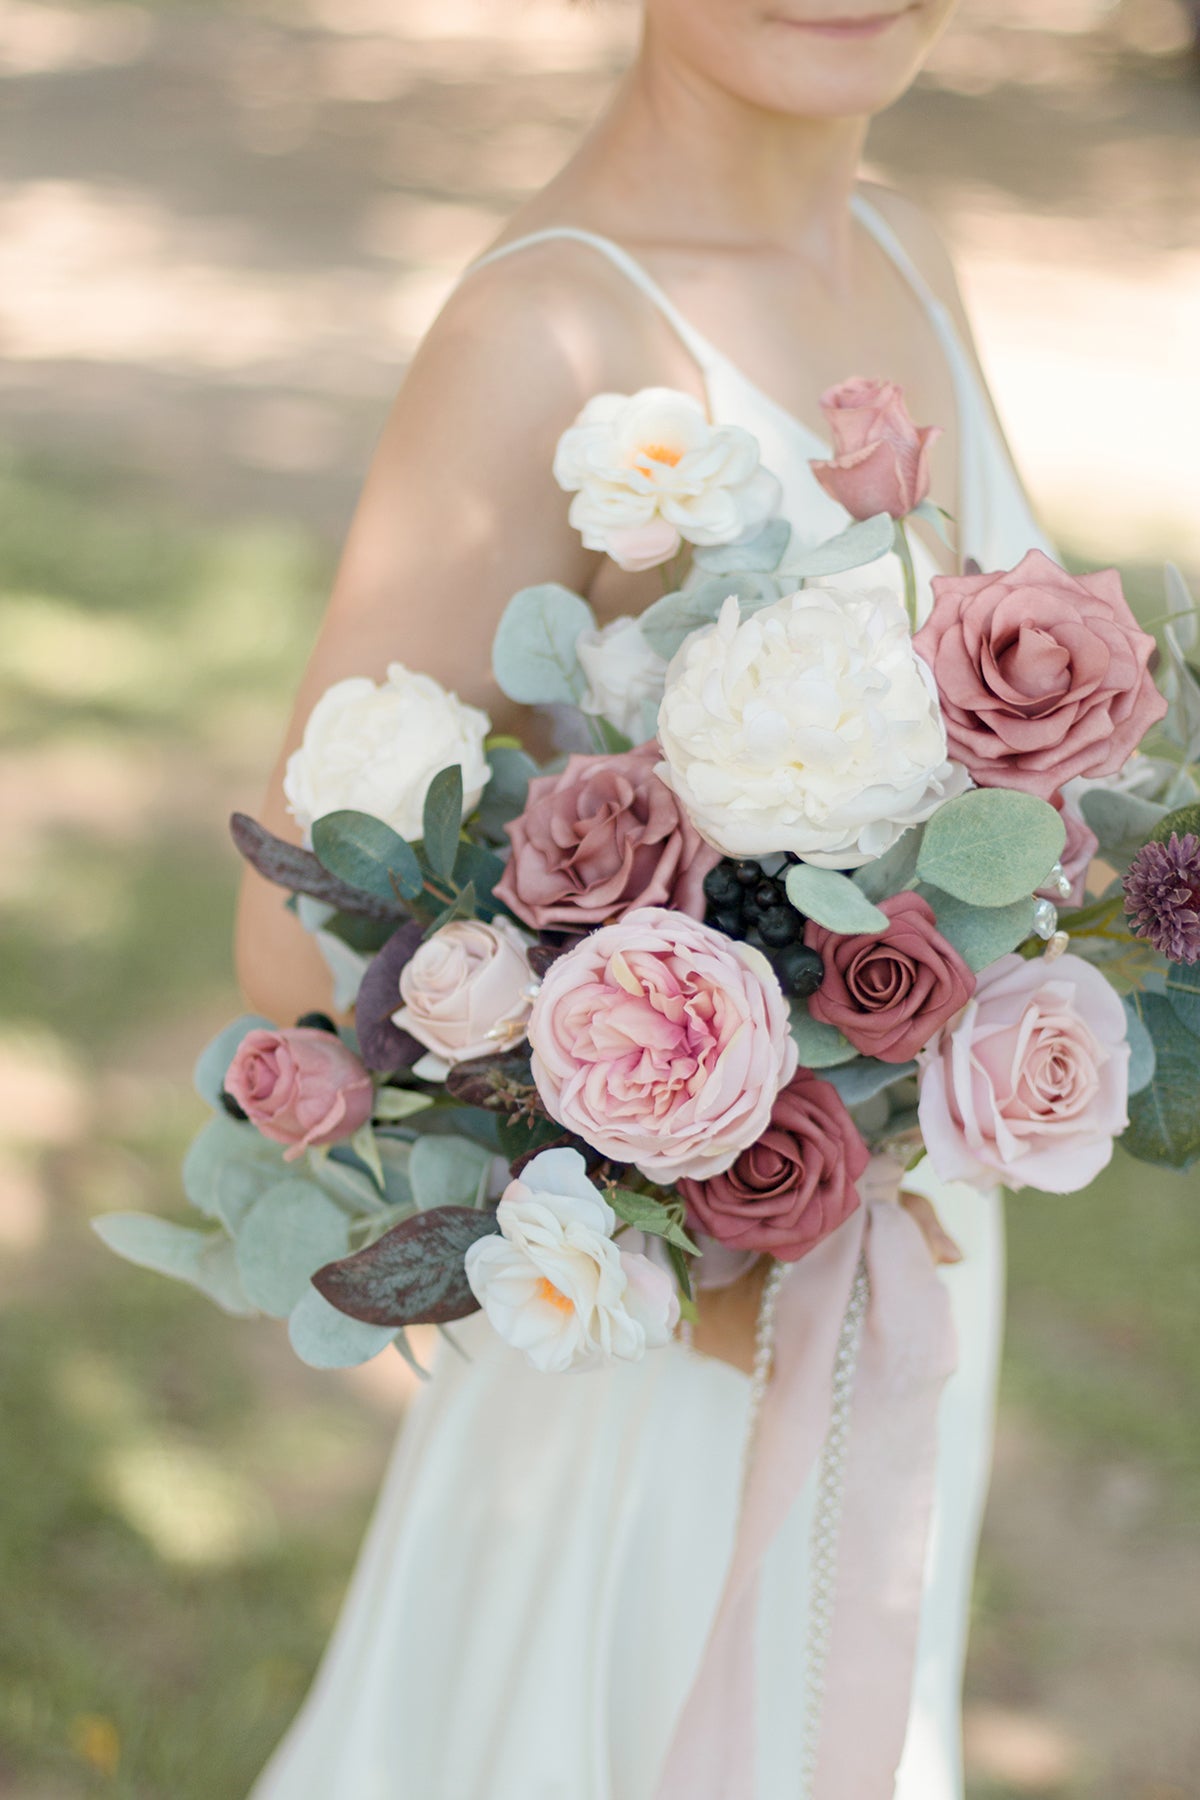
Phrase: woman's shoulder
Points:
(922, 238)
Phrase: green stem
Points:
(904, 552)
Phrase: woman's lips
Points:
(868, 25)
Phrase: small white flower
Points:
(648, 470)
(624, 675)
(375, 749)
(812, 726)
(555, 1285)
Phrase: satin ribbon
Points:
(908, 1350)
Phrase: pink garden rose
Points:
(467, 990)
(663, 1043)
(793, 1186)
(1042, 675)
(598, 840)
(880, 458)
(888, 994)
(1078, 851)
(1029, 1087)
(300, 1087)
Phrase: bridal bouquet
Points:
(825, 882)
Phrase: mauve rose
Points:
(889, 994)
(795, 1185)
(1078, 851)
(662, 1043)
(1042, 675)
(1030, 1084)
(466, 991)
(601, 838)
(300, 1087)
(880, 458)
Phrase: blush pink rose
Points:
(1042, 675)
(662, 1043)
(880, 458)
(888, 994)
(467, 990)
(792, 1187)
(598, 840)
(1078, 851)
(1030, 1085)
(300, 1087)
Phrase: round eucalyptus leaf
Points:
(533, 655)
(991, 846)
(325, 1338)
(820, 1045)
(834, 901)
(289, 1233)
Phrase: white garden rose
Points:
(648, 471)
(812, 727)
(625, 677)
(554, 1284)
(375, 749)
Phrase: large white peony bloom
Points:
(648, 470)
(555, 1285)
(811, 726)
(375, 749)
(625, 677)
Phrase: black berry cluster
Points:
(745, 902)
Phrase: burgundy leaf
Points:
(382, 1045)
(414, 1274)
(290, 867)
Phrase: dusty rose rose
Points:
(466, 992)
(880, 458)
(794, 1185)
(601, 838)
(1030, 1085)
(662, 1043)
(1042, 675)
(1078, 851)
(300, 1087)
(889, 994)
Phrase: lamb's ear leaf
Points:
(288, 866)
(290, 1230)
(863, 542)
(414, 1274)
(533, 655)
(759, 555)
(670, 620)
(203, 1259)
(325, 1338)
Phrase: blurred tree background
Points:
(222, 228)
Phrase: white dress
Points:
(548, 1552)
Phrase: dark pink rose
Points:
(889, 994)
(1042, 675)
(603, 837)
(1078, 851)
(300, 1087)
(794, 1185)
(880, 458)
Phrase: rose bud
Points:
(302, 1088)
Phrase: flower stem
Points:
(904, 552)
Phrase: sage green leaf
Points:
(202, 1259)
(757, 555)
(288, 1234)
(506, 793)
(368, 854)
(1141, 1048)
(346, 1181)
(1164, 1119)
(834, 901)
(863, 1079)
(820, 1045)
(1181, 986)
(670, 620)
(991, 846)
(227, 1166)
(980, 934)
(442, 820)
(393, 1104)
(1122, 822)
(892, 872)
(647, 1214)
(534, 658)
(325, 1338)
(863, 542)
(215, 1058)
(447, 1171)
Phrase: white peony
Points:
(375, 749)
(625, 677)
(812, 726)
(648, 470)
(555, 1285)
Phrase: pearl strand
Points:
(764, 1358)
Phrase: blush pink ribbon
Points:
(908, 1349)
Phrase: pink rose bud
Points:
(300, 1087)
(880, 458)
(467, 991)
(1042, 675)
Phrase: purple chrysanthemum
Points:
(1162, 896)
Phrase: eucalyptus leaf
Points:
(980, 934)
(892, 872)
(1122, 822)
(202, 1259)
(447, 1171)
(758, 555)
(215, 1058)
(863, 542)
(505, 795)
(227, 1166)
(534, 658)
(821, 1046)
(1164, 1119)
(991, 846)
(442, 820)
(1181, 987)
(863, 1079)
(368, 854)
(291, 1231)
(325, 1338)
(1141, 1048)
(671, 620)
(414, 1275)
(480, 868)
(834, 901)
(300, 871)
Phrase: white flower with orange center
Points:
(648, 472)
(555, 1285)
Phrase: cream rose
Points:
(625, 677)
(467, 991)
(555, 1285)
(376, 748)
(649, 471)
(810, 727)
